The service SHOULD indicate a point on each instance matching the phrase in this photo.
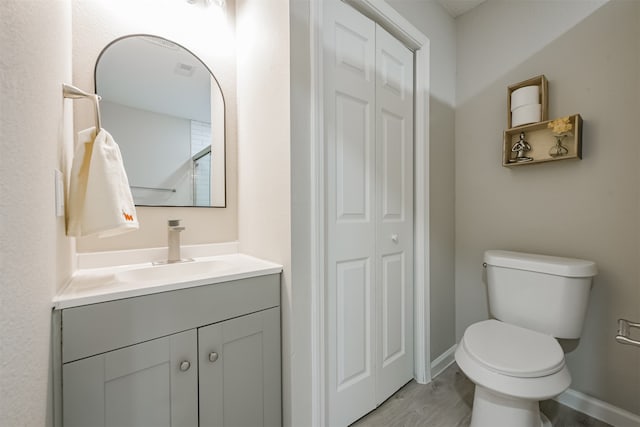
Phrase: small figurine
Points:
(519, 148)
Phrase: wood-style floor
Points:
(446, 402)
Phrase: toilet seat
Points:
(479, 362)
(513, 351)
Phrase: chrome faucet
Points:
(174, 242)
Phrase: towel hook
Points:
(73, 92)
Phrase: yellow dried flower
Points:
(559, 126)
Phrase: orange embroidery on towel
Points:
(127, 217)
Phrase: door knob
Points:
(185, 365)
(394, 238)
(213, 356)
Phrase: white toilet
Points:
(514, 359)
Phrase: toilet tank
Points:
(539, 292)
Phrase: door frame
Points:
(387, 17)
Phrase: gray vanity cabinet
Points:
(147, 384)
(239, 365)
(206, 356)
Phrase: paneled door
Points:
(394, 214)
(368, 78)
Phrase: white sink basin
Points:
(102, 284)
(175, 273)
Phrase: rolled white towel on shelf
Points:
(100, 201)
(526, 114)
(524, 96)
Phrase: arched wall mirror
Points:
(165, 110)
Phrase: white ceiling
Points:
(458, 7)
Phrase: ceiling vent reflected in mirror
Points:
(184, 69)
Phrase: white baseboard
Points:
(598, 409)
(443, 361)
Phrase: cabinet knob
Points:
(213, 356)
(394, 238)
(185, 365)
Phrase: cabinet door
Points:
(150, 384)
(239, 365)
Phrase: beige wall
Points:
(264, 151)
(585, 209)
(208, 34)
(34, 36)
(434, 22)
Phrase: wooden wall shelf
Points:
(541, 139)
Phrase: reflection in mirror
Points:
(165, 110)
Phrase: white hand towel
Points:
(78, 181)
(100, 201)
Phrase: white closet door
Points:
(368, 78)
(350, 81)
(394, 214)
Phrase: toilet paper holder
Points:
(624, 332)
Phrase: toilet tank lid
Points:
(558, 266)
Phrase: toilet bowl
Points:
(513, 369)
(514, 359)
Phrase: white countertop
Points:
(95, 285)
